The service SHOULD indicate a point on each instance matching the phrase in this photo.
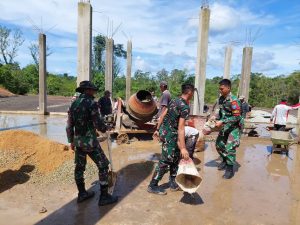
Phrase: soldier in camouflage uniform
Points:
(83, 120)
(170, 130)
(231, 121)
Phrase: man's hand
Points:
(156, 135)
(184, 154)
(72, 146)
(219, 123)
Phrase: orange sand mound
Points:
(44, 154)
(5, 93)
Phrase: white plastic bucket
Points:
(188, 178)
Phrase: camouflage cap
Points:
(86, 85)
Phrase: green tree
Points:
(10, 43)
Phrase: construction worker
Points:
(170, 130)
(83, 120)
(191, 136)
(245, 106)
(105, 104)
(164, 99)
(230, 121)
(280, 114)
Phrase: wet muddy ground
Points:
(265, 190)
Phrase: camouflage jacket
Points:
(83, 120)
(230, 111)
(177, 108)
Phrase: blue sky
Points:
(164, 32)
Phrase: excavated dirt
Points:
(19, 147)
(5, 93)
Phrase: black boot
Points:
(222, 165)
(106, 198)
(155, 189)
(173, 185)
(83, 194)
(229, 173)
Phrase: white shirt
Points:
(280, 113)
(190, 131)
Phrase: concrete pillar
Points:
(42, 75)
(227, 62)
(200, 76)
(84, 41)
(298, 121)
(128, 71)
(109, 64)
(246, 72)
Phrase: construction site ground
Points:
(37, 186)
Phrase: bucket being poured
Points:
(188, 178)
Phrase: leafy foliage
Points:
(264, 91)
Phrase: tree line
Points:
(264, 91)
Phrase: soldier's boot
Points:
(222, 165)
(229, 173)
(83, 194)
(173, 185)
(155, 189)
(106, 198)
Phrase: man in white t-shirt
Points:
(191, 137)
(280, 114)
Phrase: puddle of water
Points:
(52, 127)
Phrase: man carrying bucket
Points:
(170, 130)
(231, 122)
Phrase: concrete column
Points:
(109, 64)
(128, 71)
(200, 76)
(298, 121)
(227, 62)
(84, 36)
(42, 75)
(246, 72)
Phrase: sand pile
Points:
(5, 93)
(19, 147)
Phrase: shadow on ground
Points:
(88, 213)
(191, 199)
(10, 178)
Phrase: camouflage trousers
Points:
(170, 155)
(99, 158)
(227, 142)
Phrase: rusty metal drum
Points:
(141, 107)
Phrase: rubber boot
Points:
(173, 185)
(106, 198)
(83, 194)
(222, 165)
(155, 189)
(229, 173)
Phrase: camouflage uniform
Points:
(168, 132)
(229, 136)
(83, 120)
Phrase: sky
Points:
(164, 32)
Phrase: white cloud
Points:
(225, 18)
(141, 64)
(162, 33)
